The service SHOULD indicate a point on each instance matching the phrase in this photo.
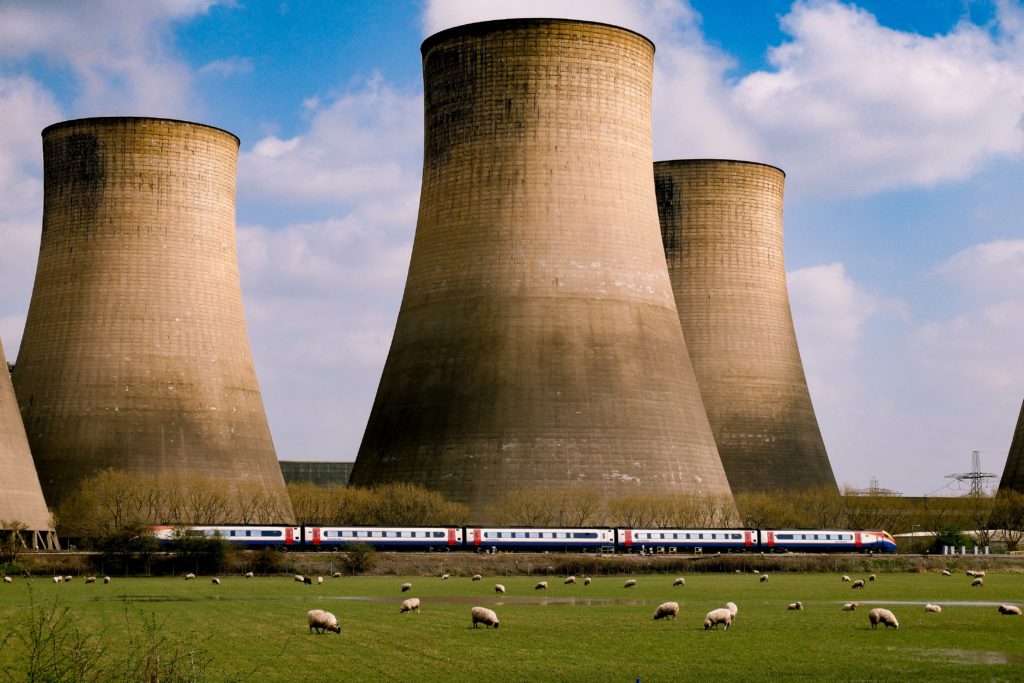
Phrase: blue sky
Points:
(898, 124)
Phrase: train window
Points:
(584, 535)
(784, 537)
(438, 534)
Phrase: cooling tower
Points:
(721, 224)
(135, 354)
(538, 344)
(1013, 472)
(21, 498)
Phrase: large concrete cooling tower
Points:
(135, 354)
(1013, 472)
(721, 224)
(538, 343)
(21, 498)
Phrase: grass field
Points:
(255, 629)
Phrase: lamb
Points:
(946, 572)
(846, 579)
(319, 580)
(8, 579)
(679, 582)
(666, 609)
(722, 615)
(482, 615)
(872, 577)
(980, 582)
(630, 583)
(406, 587)
(90, 579)
(882, 616)
(850, 606)
(321, 621)
(189, 576)
(477, 577)
(215, 581)
(586, 581)
(764, 577)
(731, 606)
(570, 579)
(249, 575)
(498, 588)
(933, 608)
(410, 605)
(445, 577)
(1009, 609)
(106, 579)
(795, 605)
(542, 586)
(58, 579)
(859, 583)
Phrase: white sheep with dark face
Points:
(882, 616)
(482, 615)
(321, 621)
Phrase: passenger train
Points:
(506, 539)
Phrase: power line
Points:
(976, 477)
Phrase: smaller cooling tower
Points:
(21, 498)
(721, 225)
(1013, 473)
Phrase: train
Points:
(536, 539)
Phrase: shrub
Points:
(360, 558)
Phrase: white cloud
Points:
(225, 68)
(995, 268)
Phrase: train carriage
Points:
(384, 538)
(826, 541)
(248, 536)
(686, 540)
(542, 540)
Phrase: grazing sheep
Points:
(882, 616)
(410, 605)
(67, 579)
(570, 579)
(980, 582)
(189, 576)
(215, 581)
(8, 579)
(249, 575)
(859, 583)
(1009, 609)
(979, 573)
(666, 610)
(319, 580)
(946, 572)
(731, 606)
(482, 615)
(406, 587)
(737, 572)
(846, 579)
(722, 615)
(90, 579)
(764, 577)
(932, 608)
(106, 579)
(321, 621)
(970, 572)
(542, 586)
(498, 588)
(586, 581)
(630, 583)
(300, 578)
(679, 582)
(58, 579)
(445, 577)
(850, 606)
(308, 580)
(477, 577)
(795, 605)
(336, 575)
(872, 577)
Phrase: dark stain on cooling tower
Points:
(670, 209)
(73, 167)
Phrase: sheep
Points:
(321, 621)
(946, 572)
(319, 580)
(679, 582)
(795, 605)
(8, 579)
(445, 577)
(846, 579)
(67, 579)
(731, 606)
(570, 579)
(189, 576)
(308, 580)
(859, 583)
(872, 577)
(586, 581)
(764, 577)
(482, 615)
(410, 605)
(477, 577)
(882, 616)
(722, 615)
(979, 573)
(336, 575)
(498, 588)
(933, 608)
(980, 582)
(1009, 609)
(249, 575)
(215, 581)
(406, 587)
(90, 579)
(666, 610)
(58, 579)
(850, 606)
(630, 583)
(542, 586)
(971, 572)
(300, 578)
(106, 579)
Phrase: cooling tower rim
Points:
(126, 119)
(682, 162)
(481, 27)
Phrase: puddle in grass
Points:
(968, 657)
(944, 603)
(448, 600)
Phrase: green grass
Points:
(608, 634)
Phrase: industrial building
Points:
(1013, 471)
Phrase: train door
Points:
(477, 537)
(451, 537)
(748, 539)
(289, 536)
(771, 539)
(316, 535)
